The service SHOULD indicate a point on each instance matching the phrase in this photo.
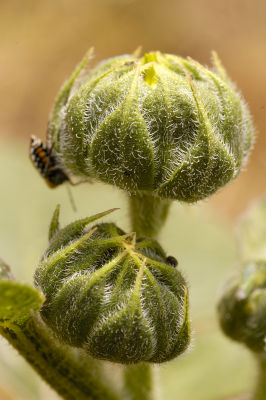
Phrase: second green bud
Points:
(116, 296)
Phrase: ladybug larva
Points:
(45, 161)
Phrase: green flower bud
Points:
(158, 123)
(242, 309)
(113, 295)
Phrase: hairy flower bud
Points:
(242, 309)
(115, 296)
(157, 123)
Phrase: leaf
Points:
(17, 301)
(251, 233)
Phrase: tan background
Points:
(41, 42)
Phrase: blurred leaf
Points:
(251, 233)
(17, 301)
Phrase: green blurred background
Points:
(40, 43)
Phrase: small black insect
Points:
(45, 161)
(172, 261)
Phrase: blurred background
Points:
(40, 44)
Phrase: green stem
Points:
(66, 370)
(147, 213)
(260, 392)
(139, 381)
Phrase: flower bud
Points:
(113, 295)
(242, 309)
(157, 123)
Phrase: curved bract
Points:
(157, 123)
(242, 308)
(112, 294)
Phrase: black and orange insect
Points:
(45, 161)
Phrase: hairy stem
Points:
(260, 392)
(147, 213)
(139, 381)
(63, 368)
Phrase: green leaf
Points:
(62, 368)
(17, 301)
